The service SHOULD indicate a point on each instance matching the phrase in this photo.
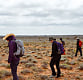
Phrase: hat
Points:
(8, 35)
(77, 38)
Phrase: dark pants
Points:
(78, 49)
(14, 70)
(55, 61)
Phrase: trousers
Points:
(78, 49)
(13, 67)
(55, 61)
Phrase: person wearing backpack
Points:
(12, 59)
(79, 45)
(55, 58)
(63, 42)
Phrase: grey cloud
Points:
(70, 16)
(35, 23)
(26, 5)
(13, 25)
(7, 14)
(42, 17)
(38, 14)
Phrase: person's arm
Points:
(54, 49)
(11, 45)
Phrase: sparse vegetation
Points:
(35, 64)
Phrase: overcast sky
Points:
(41, 17)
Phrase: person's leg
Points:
(52, 62)
(80, 51)
(14, 70)
(58, 68)
(76, 51)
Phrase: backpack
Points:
(80, 43)
(20, 48)
(60, 48)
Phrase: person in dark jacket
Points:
(55, 59)
(13, 60)
(79, 45)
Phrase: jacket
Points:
(55, 50)
(12, 48)
(79, 43)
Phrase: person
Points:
(79, 45)
(13, 60)
(63, 42)
(55, 59)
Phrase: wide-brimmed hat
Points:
(8, 35)
(77, 38)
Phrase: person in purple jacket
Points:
(13, 60)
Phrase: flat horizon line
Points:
(46, 35)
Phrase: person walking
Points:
(79, 45)
(55, 59)
(13, 60)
